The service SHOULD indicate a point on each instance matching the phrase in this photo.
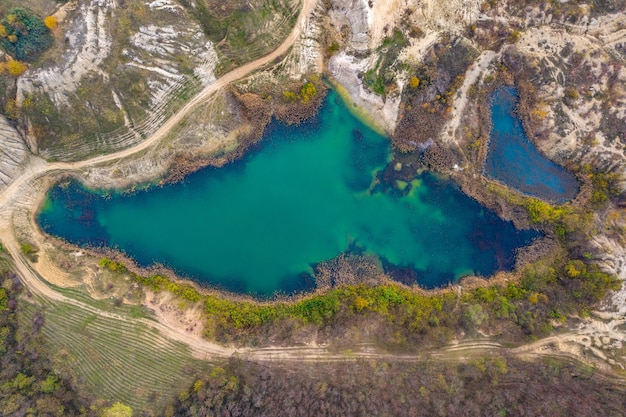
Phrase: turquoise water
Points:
(513, 160)
(306, 195)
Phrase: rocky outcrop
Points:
(120, 77)
(13, 154)
(345, 70)
(88, 43)
(367, 26)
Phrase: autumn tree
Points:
(118, 410)
(24, 35)
(308, 91)
(50, 22)
(16, 68)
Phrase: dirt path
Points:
(448, 133)
(27, 189)
(29, 183)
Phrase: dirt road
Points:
(20, 193)
(12, 196)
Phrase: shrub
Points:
(16, 68)
(4, 300)
(308, 91)
(50, 22)
(26, 35)
(289, 95)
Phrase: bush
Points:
(26, 35)
(308, 91)
(14, 68)
(50, 22)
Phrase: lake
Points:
(514, 160)
(305, 195)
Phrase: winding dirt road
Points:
(12, 198)
(38, 169)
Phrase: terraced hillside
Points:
(119, 69)
(113, 358)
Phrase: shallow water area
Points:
(514, 160)
(306, 195)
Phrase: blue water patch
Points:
(513, 160)
(307, 194)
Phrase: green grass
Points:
(115, 359)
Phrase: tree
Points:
(118, 410)
(16, 67)
(27, 36)
(50, 22)
(308, 91)
(414, 82)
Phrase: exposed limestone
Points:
(306, 56)
(88, 45)
(367, 25)
(352, 15)
(164, 44)
(577, 123)
(345, 69)
(13, 154)
(168, 57)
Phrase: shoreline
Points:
(524, 255)
(357, 111)
(476, 188)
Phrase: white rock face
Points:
(355, 15)
(13, 154)
(164, 5)
(306, 56)
(154, 48)
(345, 69)
(369, 22)
(166, 52)
(164, 44)
(88, 44)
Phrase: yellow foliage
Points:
(575, 268)
(308, 91)
(541, 212)
(11, 110)
(12, 38)
(27, 103)
(3, 31)
(540, 113)
(360, 303)
(414, 82)
(50, 22)
(16, 67)
(118, 410)
(289, 95)
(197, 386)
(537, 297)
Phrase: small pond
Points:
(513, 159)
(304, 196)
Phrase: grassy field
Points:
(115, 359)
